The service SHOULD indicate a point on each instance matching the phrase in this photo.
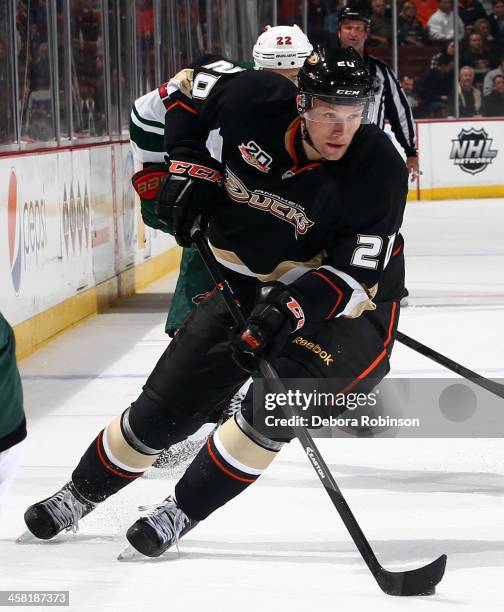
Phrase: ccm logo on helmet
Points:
(348, 92)
(195, 170)
(343, 63)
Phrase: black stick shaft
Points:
(477, 379)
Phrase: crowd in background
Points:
(425, 33)
(34, 69)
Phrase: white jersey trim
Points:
(359, 294)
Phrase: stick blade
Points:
(419, 581)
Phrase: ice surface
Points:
(281, 545)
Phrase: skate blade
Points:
(131, 554)
(27, 538)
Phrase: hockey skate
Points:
(61, 511)
(154, 533)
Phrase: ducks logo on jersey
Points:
(282, 209)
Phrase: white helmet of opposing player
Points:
(281, 48)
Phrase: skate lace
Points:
(169, 525)
(233, 406)
(65, 510)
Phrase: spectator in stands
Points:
(86, 24)
(493, 104)
(440, 25)
(35, 39)
(323, 24)
(409, 28)
(408, 85)
(331, 19)
(496, 19)
(470, 11)
(425, 8)
(489, 77)
(468, 96)
(98, 110)
(380, 30)
(435, 86)
(317, 11)
(482, 26)
(289, 12)
(476, 57)
(145, 38)
(449, 49)
(40, 72)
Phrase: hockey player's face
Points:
(332, 126)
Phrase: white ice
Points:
(281, 544)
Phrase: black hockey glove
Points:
(276, 315)
(190, 190)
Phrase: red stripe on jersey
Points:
(292, 149)
(336, 288)
(308, 167)
(383, 354)
(294, 127)
(397, 251)
(178, 103)
(391, 325)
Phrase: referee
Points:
(390, 101)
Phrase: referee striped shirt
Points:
(391, 104)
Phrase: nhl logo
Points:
(472, 151)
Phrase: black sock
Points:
(96, 477)
(210, 482)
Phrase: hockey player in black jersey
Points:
(306, 230)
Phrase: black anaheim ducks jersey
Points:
(282, 213)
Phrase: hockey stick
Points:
(419, 581)
(477, 379)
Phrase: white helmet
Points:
(281, 47)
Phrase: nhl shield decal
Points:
(472, 150)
